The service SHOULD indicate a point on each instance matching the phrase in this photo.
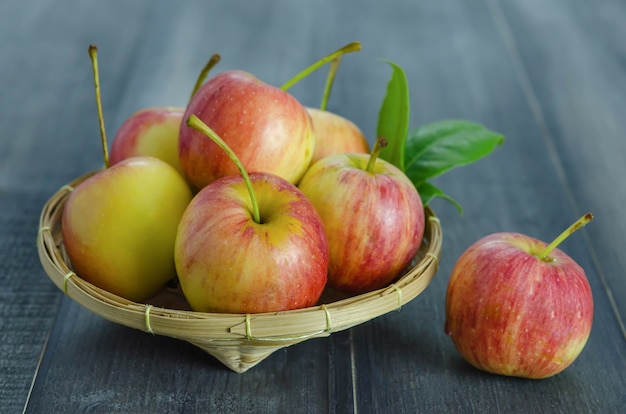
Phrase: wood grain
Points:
(550, 76)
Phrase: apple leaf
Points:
(437, 147)
(393, 118)
(431, 149)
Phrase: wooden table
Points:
(550, 76)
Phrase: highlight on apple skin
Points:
(510, 312)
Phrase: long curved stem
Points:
(350, 47)
(330, 79)
(204, 73)
(197, 124)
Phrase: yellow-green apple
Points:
(335, 134)
(250, 243)
(119, 226)
(150, 131)
(373, 216)
(518, 307)
(154, 131)
(266, 127)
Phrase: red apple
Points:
(335, 134)
(250, 243)
(516, 307)
(266, 127)
(373, 216)
(151, 132)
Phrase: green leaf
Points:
(432, 149)
(394, 117)
(429, 192)
(437, 147)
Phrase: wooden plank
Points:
(94, 365)
(44, 110)
(460, 64)
(575, 70)
(27, 304)
(315, 375)
(472, 75)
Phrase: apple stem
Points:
(93, 54)
(203, 74)
(330, 79)
(196, 123)
(350, 47)
(380, 143)
(544, 254)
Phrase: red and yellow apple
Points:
(154, 131)
(227, 262)
(250, 243)
(268, 129)
(335, 134)
(517, 307)
(373, 216)
(150, 132)
(119, 226)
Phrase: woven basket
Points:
(239, 341)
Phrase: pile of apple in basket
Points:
(252, 201)
(255, 203)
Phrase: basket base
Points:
(239, 359)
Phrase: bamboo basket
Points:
(239, 341)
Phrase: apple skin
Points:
(335, 134)
(119, 226)
(268, 129)
(227, 262)
(510, 313)
(149, 132)
(374, 221)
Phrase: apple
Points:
(335, 134)
(150, 131)
(518, 307)
(267, 128)
(373, 216)
(250, 243)
(154, 131)
(119, 225)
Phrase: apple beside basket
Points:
(239, 341)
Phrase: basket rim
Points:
(267, 328)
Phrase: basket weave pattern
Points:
(239, 341)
